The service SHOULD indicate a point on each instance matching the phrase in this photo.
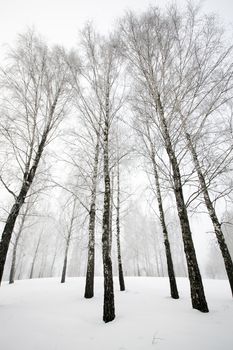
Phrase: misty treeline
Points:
(80, 127)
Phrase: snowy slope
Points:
(42, 314)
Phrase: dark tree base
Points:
(173, 288)
(121, 278)
(109, 316)
(109, 319)
(175, 296)
(89, 288)
(200, 307)
(88, 296)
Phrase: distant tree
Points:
(54, 256)
(68, 237)
(35, 255)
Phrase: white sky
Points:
(59, 20)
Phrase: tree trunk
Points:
(170, 268)
(196, 286)
(43, 263)
(120, 268)
(157, 272)
(34, 257)
(63, 277)
(20, 268)
(212, 213)
(109, 307)
(54, 258)
(138, 267)
(10, 223)
(32, 267)
(9, 226)
(13, 262)
(89, 287)
(29, 175)
(111, 213)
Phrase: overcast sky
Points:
(60, 20)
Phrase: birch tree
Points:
(16, 242)
(87, 102)
(148, 40)
(206, 89)
(110, 73)
(151, 150)
(37, 89)
(118, 230)
(68, 238)
(99, 107)
(35, 255)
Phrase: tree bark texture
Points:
(89, 286)
(212, 213)
(63, 276)
(119, 259)
(111, 213)
(109, 306)
(170, 268)
(196, 285)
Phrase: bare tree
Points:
(87, 101)
(37, 90)
(54, 256)
(108, 78)
(148, 40)
(68, 238)
(212, 213)
(99, 107)
(204, 88)
(35, 255)
(143, 129)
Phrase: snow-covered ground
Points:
(42, 314)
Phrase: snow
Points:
(43, 314)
